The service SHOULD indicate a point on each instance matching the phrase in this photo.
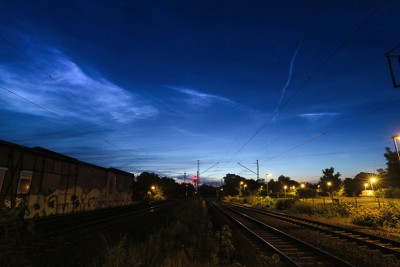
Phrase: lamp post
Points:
(285, 187)
(373, 180)
(396, 139)
(329, 185)
(240, 187)
(266, 179)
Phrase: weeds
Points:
(187, 239)
(387, 216)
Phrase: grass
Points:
(383, 213)
(187, 238)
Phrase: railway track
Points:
(369, 241)
(292, 251)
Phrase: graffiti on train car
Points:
(68, 201)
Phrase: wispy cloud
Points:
(318, 116)
(289, 78)
(200, 98)
(69, 92)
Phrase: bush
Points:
(387, 216)
(187, 239)
(365, 217)
(261, 201)
(284, 204)
(391, 192)
(343, 209)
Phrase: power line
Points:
(40, 68)
(315, 72)
(65, 120)
(337, 127)
(298, 42)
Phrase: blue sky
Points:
(157, 85)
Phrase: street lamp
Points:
(365, 186)
(373, 180)
(153, 187)
(303, 186)
(266, 178)
(329, 184)
(285, 187)
(396, 139)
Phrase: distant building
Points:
(367, 193)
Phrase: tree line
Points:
(150, 186)
(330, 183)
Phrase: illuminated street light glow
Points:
(266, 178)
(372, 180)
(329, 185)
(396, 139)
(302, 185)
(153, 187)
(366, 185)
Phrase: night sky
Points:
(157, 85)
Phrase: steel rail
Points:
(308, 247)
(387, 246)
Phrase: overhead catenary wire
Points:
(313, 74)
(337, 127)
(65, 120)
(298, 42)
(40, 68)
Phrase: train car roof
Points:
(52, 154)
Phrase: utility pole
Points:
(184, 181)
(198, 175)
(393, 58)
(258, 172)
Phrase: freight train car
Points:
(49, 183)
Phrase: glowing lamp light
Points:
(373, 180)
(366, 185)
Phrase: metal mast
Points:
(198, 174)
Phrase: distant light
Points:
(302, 185)
(373, 179)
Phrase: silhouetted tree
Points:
(351, 188)
(231, 184)
(207, 191)
(306, 193)
(330, 176)
(390, 177)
